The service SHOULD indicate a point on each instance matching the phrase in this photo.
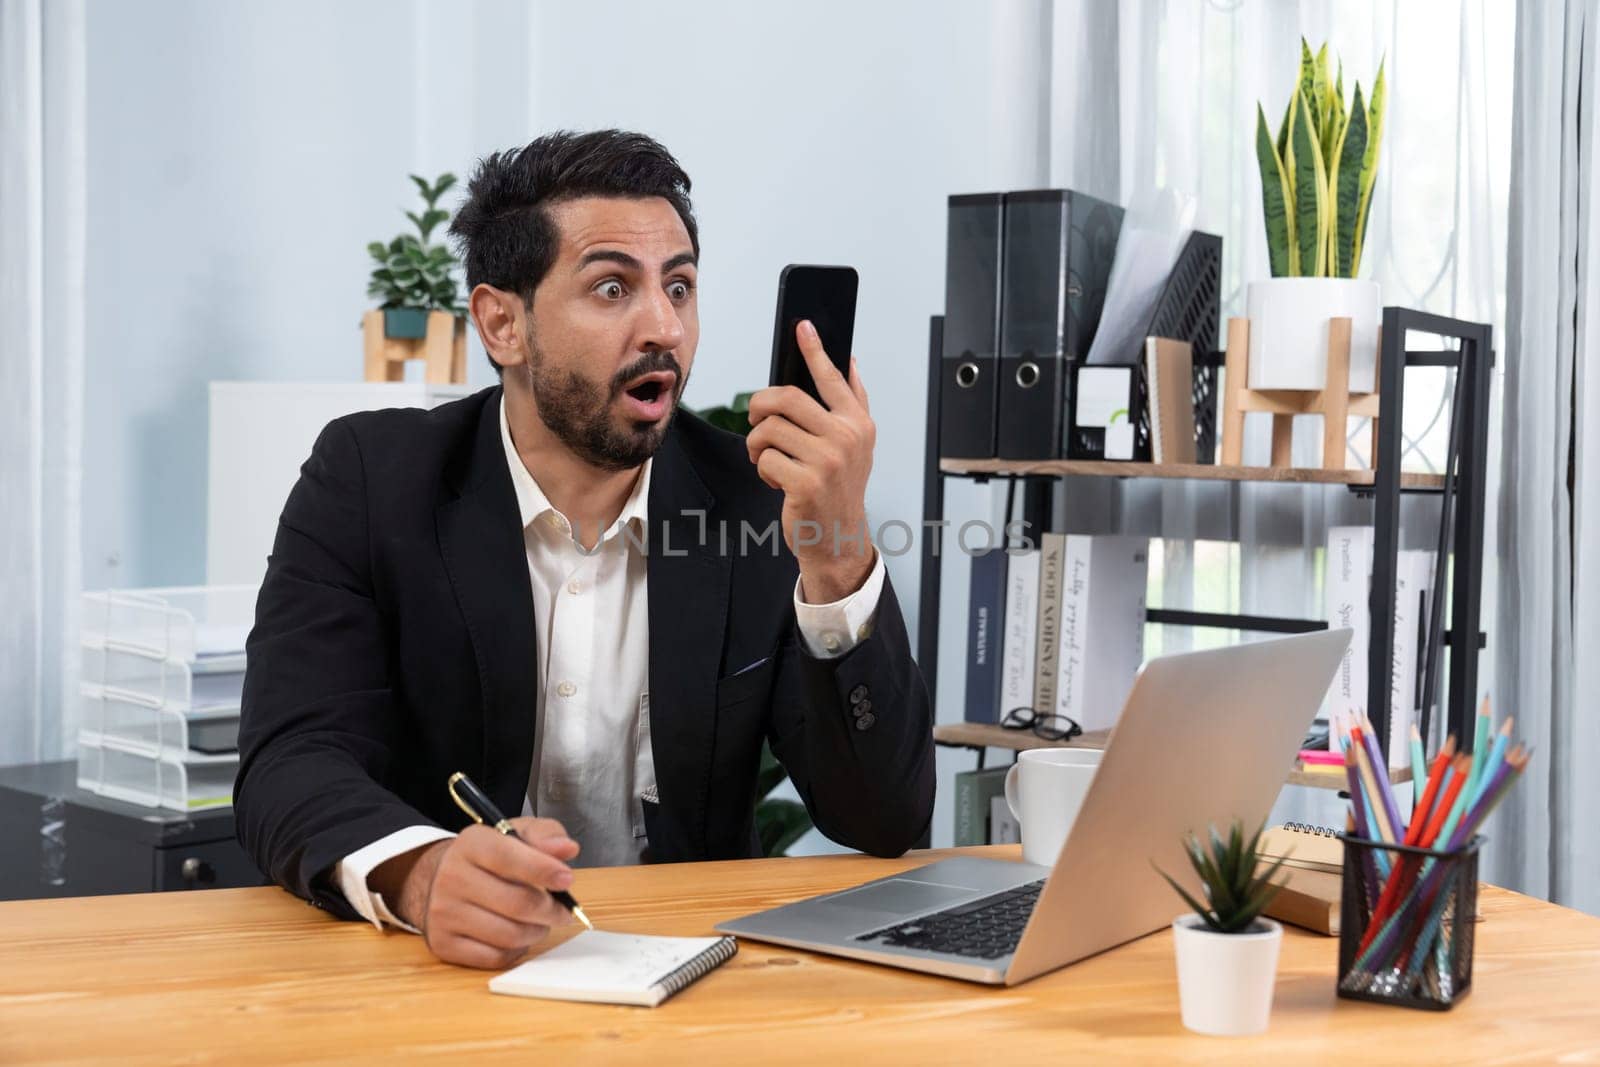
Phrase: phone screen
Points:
(827, 297)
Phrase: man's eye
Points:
(680, 290)
(611, 290)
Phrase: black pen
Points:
(476, 803)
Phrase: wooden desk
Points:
(247, 976)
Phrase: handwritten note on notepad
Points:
(616, 968)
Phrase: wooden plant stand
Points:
(1334, 402)
(443, 350)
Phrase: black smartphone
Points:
(827, 297)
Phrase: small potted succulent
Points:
(419, 315)
(1318, 177)
(1227, 950)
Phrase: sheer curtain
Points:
(1147, 93)
(41, 371)
(1546, 842)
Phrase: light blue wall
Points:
(241, 156)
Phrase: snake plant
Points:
(1317, 173)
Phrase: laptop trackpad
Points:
(901, 896)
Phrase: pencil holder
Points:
(1406, 923)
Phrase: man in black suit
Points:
(573, 592)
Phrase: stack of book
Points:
(1058, 628)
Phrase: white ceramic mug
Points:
(1045, 790)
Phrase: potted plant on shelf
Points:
(1228, 951)
(419, 315)
(1317, 179)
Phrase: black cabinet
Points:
(57, 840)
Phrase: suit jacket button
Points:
(858, 694)
(861, 708)
(864, 722)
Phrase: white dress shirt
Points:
(592, 757)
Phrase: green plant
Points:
(780, 822)
(1317, 174)
(733, 417)
(411, 272)
(1238, 895)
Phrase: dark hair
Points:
(505, 235)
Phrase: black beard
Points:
(578, 412)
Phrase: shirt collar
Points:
(533, 504)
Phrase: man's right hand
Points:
(482, 898)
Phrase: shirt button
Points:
(552, 519)
(566, 689)
(863, 632)
(830, 642)
(574, 587)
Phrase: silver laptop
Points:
(1205, 737)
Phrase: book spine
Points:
(1411, 585)
(1120, 570)
(1073, 627)
(1051, 547)
(1346, 587)
(1003, 826)
(974, 791)
(1021, 626)
(985, 602)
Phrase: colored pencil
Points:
(1480, 737)
(1387, 943)
(1433, 782)
(1375, 804)
(1497, 755)
(1406, 869)
(1364, 817)
(1380, 770)
(1419, 767)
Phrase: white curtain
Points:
(1545, 840)
(42, 81)
(1150, 93)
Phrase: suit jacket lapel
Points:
(481, 539)
(688, 583)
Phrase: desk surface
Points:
(254, 976)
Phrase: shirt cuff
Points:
(352, 872)
(831, 630)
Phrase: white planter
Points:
(1289, 331)
(1225, 981)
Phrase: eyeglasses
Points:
(1047, 726)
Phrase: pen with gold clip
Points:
(476, 803)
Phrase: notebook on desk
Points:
(609, 968)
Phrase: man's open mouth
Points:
(648, 397)
(649, 387)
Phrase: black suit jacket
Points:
(394, 644)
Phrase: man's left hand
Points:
(819, 455)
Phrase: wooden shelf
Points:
(986, 735)
(1194, 471)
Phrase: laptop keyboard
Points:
(986, 928)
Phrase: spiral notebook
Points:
(1313, 857)
(1302, 845)
(608, 968)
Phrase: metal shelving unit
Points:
(1460, 489)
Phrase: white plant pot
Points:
(1289, 331)
(1225, 981)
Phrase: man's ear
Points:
(497, 314)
